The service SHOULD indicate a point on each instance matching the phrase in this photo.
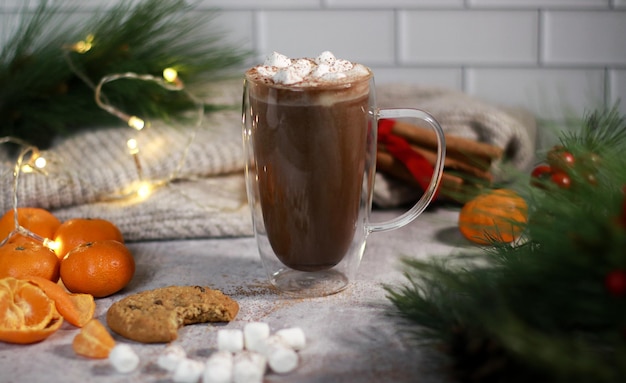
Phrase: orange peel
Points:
(76, 308)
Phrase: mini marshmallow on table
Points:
(255, 334)
(219, 368)
(171, 356)
(248, 367)
(280, 357)
(188, 371)
(123, 358)
(230, 340)
(242, 356)
(293, 337)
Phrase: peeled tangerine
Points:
(27, 314)
(93, 341)
(498, 216)
(33, 308)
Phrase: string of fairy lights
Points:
(30, 159)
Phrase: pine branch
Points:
(539, 310)
(602, 128)
(42, 97)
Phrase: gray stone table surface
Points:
(350, 337)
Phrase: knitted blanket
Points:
(197, 171)
(459, 114)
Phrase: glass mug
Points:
(310, 160)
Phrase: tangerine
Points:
(93, 341)
(27, 314)
(492, 217)
(99, 268)
(76, 231)
(77, 309)
(37, 220)
(22, 257)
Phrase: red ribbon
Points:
(419, 167)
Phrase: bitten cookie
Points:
(154, 316)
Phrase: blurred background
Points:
(554, 57)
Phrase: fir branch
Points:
(43, 96)
(601, 129)
(538, 310)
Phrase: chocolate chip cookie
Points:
(154, 316)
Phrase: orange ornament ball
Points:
(498, 216)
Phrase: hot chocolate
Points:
(309, 143)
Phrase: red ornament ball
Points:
(561, 179)
(615, 282)
(560, 159)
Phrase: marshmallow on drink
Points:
(324, 69)
(325, 57)
(230, 340)
(188, 371)
(255, 334)
(171, 356)
(218, 368)
(123, 358)
(249, 367)
(277, 60)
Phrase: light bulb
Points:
(52, 245)
(40, 162)
(136, 123)
(133, 148)
(144, 190)
(170, 74)
(84, 46)
(26, 168)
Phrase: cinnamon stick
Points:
(451, 163)
(480, 153)
(387, 163)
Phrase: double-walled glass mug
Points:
(310, 158)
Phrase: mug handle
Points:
(429, 193)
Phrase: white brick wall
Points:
(557, 58)
(551, 56)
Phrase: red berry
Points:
(560, 159)
(591, 160)
(541, 170)
(591, 178)
(561, 179)
(594, 158)
(615, 282)
(539, 174)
